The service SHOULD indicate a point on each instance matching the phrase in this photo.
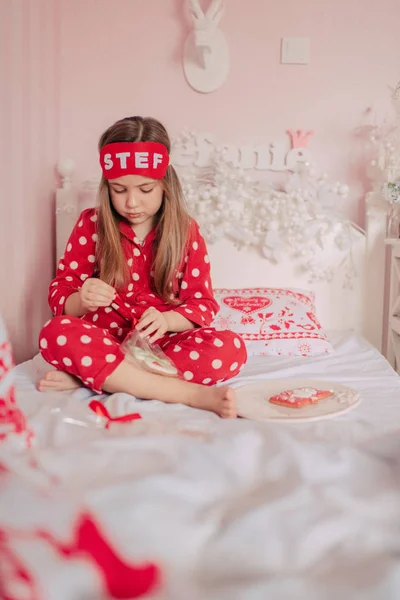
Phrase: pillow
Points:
(12, 420)
(273, 321)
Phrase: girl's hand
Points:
(94, 293)
(153, 325)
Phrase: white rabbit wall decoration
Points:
(206, 53)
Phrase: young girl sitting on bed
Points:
(138, 260)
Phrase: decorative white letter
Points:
(247, 158)
(142, 160)
(108, 163)
(278, 156)
(296, 156)
(157, 160)
(206, 148)
(122, 158)
(263, 162)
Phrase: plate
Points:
(252, 401)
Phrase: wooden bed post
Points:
(66, 204)
(375, 265)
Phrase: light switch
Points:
(295, 51)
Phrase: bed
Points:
(227, 510)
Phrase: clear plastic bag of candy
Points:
(148, 356)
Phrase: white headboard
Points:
(342, 264)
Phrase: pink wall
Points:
(124, 57)
(72, 67)
(28, 150)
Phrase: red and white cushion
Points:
(273, 321)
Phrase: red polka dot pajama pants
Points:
(91, 353)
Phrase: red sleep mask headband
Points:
(149, 159)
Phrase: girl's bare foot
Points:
(130, 379)
(220, 400)
(58, 381)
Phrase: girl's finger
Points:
(150, 329)
(99, 287)
(155, 337)
(148, 310)
(145, 322)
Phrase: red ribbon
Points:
(101, 410)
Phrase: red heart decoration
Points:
(247, 305)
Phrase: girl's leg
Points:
(93, 355)
(84, 351)
(132, 380)
(205, 355)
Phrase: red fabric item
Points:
(89, 347)
(149, 159)
(13, 426)
(121, 579)
(100, 409)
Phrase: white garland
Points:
(297, 220)
(383, 148)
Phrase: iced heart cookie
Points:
(300, 397)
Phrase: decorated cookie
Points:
(154, 363)
(140, 354)
(300, 397)
(160, 366)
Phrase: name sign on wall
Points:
(202, 150)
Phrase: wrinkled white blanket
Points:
(229, 510)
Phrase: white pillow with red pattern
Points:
(273, 321)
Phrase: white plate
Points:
(252, 401)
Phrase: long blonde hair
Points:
(173, 221)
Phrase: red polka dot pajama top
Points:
(89, 347)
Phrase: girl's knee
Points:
(52, 330)
(234, 342)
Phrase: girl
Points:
(138, 260)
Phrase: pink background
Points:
(72, 67)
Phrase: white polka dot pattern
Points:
(201, 355)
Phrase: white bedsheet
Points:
(233, 510)
(355, 363)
